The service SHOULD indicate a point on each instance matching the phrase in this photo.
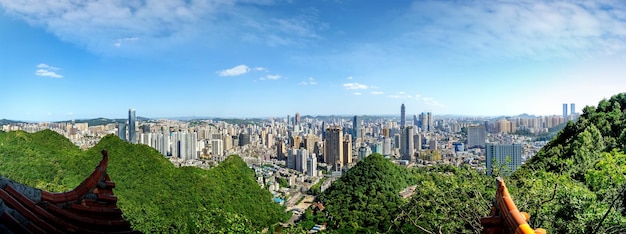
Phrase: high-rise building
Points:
(397, 141)
(407, 148)
(296, 142)
(417, 142)
(280, 150)
(564, 110)
(507, 158)
(386, 132)
(217, 147)
(309, 142)
(363, 151)
(426, 121)
(244, 139)
(269, 140)
(132, 137)
(323, 131)
(121, 131)
(356, 128)
(402, 116)
(376, 148)
(386, 146)
(311, 165)
(291, 158)
(297, 120)
(432, 144)
(301, 158)
(333, 148)
(347, 150)
(476, 136)
(184, 145)
(572, 109)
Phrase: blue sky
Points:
(64, 59)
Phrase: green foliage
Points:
(316, 189)
(366, 197)
(587, 164)
(446, 200)
(154, 195)
(283, 182)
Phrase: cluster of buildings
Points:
(317, 145)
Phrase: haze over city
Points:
(62, 60)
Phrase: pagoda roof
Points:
(505, 217)
(91, 207)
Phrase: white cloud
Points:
(357, 93)
(271, 77)
(377, 92)
(260, 69)
(525, 28)
(349, 78)
(355, 86)
(310, 81)
(47, 70)
(164, 24)
(235, 71)
(120, 41)
(47, 67)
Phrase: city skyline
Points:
(242, 59)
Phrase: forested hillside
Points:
(154, 195)
(366, 197)
(575, 184)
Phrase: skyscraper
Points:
(506, 157)
(402, 116)
(407, 148)
(311, 165)
(572, 109)
(297, 121)
(476, 136)
(356, 128)
(301, 158)
(333, 148)
(417, 142)
(132, 137)
(386, 146)
(564, 110)
(347, 150)
(121, 131)
(323, 131)
(426, 121)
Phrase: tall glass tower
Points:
(572, 109)
(564, 110)
(356, 128)
(132, 136)
(402, 116)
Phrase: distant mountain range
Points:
(7, 121)
(104, 121)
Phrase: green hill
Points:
(154, 195)
(366, 197)
(584, 169)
